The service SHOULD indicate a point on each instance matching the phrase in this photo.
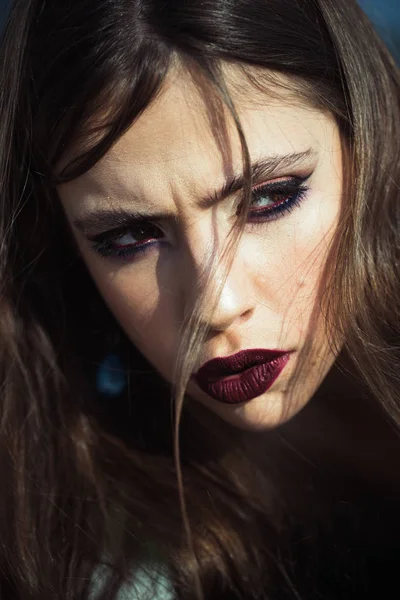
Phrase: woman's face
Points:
(150, 214)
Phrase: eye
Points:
(271, 200)
(128, 241)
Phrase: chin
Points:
(266, 412)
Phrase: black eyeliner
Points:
(294, 187)
(125, 223)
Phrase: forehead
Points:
(186, 141)
(187, 122)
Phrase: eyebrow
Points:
(262, 169)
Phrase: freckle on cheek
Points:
(301, 282)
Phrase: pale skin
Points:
(168, 162)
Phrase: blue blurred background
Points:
(384, 13)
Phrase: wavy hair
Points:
(87, 482)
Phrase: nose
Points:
(228, 299)
(233, 306)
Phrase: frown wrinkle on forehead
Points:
(262, 169)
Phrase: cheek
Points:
(144, 309)
(293, 257)
(309, 260)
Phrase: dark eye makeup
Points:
(269, 202)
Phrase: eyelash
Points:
(293, 191)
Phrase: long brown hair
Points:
(86, 481)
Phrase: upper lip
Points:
(245, 359)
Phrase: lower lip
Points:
(246, 385)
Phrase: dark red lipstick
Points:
(242, 376)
